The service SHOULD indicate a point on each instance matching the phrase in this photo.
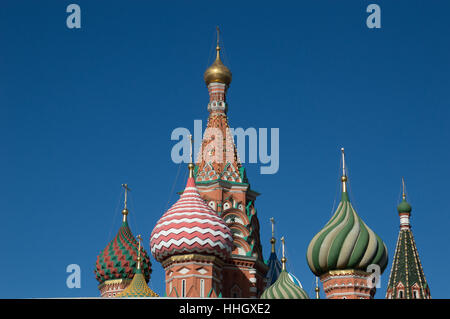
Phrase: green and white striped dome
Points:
(346, 242)
(284, 288)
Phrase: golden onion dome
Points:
(217, 72)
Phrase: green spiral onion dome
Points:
(119, 258)
(284, 288)
(346, 242)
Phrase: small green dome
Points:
(404, 207)
(284, 288)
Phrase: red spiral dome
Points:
(190, 226)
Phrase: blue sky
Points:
(83, 111)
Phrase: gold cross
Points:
(125, 186)
(273, 224)
(218, 34)
(190, 148)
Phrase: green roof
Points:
(284, 288)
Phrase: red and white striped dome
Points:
(190, 226)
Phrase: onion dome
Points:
(217, 72)
(119, 258)
(191, 226)
(345, 242)
(285, 287)
(138, 286)
(404, 207)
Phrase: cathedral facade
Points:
(208, 241)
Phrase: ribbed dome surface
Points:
(284, 288)
(346, 242)
(274, 271)
(137, 288)
(119, 258)
(190, 226)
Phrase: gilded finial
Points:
(191, 164)
(139, 238)
(125, 209)
(344, 175)
(283, 259)
(218, 45)
(273, 240)
(403, 192)
(317, 288)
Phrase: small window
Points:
(183, 288)
(202, 288)
(400, 294)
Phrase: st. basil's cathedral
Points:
(208, 241)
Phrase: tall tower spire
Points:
(222, 183)
(407, 279)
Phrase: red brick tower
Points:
(222, 183)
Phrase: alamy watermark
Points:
(217, 146)
(373, 281)
(74, 279)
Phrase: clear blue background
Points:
(83, 111)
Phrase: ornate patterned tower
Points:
(222, 183)
(117, 263)
(407, 279)
(344, 249)
(192, 243)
